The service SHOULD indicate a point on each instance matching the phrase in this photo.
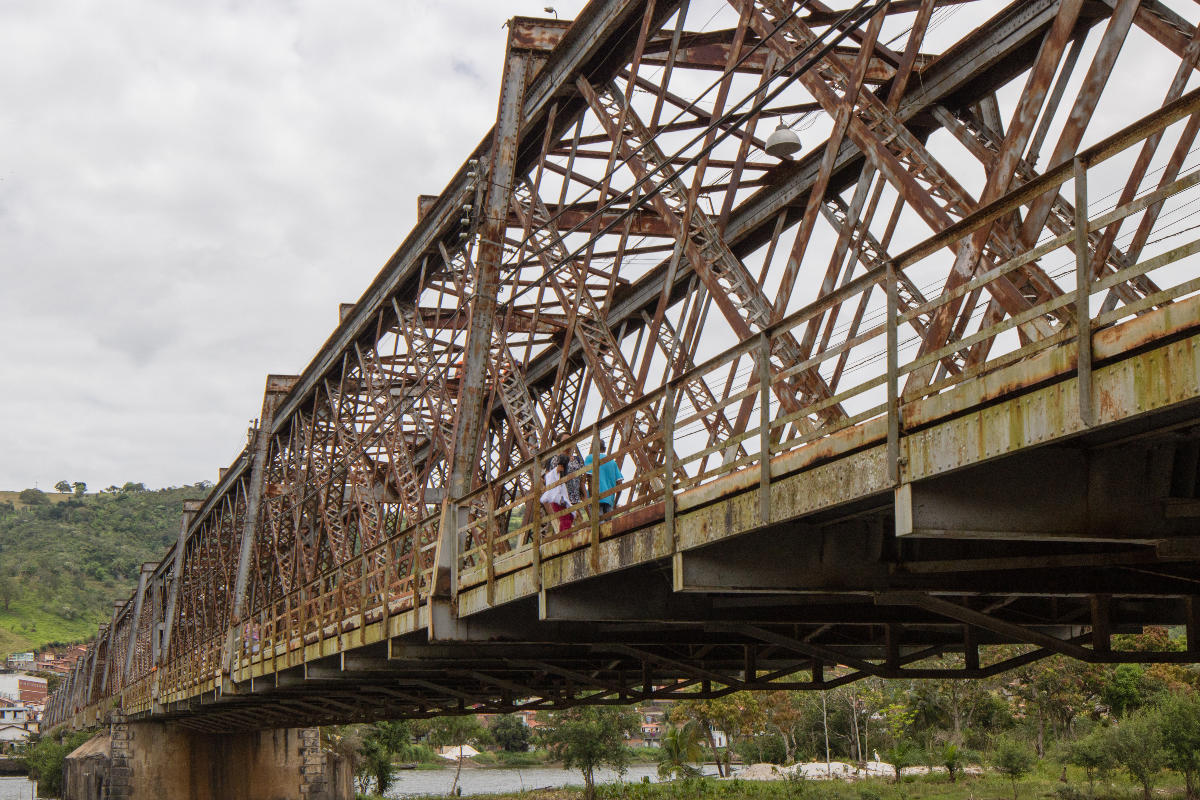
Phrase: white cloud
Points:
(189, 190)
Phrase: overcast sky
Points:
(188, 190)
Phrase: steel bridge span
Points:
(930, 387)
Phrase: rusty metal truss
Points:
(856, 396)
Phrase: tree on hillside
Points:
(8, 589)
(80, 488)
(1055, 691)
(33, 497)
(588, 737)
(63, 487)
(1126, 689)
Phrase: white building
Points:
(10, 715)
(23, 688)
(15, 725)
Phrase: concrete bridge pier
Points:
(156, 760)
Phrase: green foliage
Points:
(65, 563)
(45, 760)
(511, 733)
(1138, 748)
(1094, 754)
(738, 715)
(1126, 690)
(33, 497)
(588, 737)
(63, 486)
(455, 731)
(951, 756)
(381, 743)
(1012, 759)
(903, 754)
(1066, 791)
(1179, 720)
(370, 749)
(766, 748)
(679, 750)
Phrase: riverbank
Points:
(1045, 782)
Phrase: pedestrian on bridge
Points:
(576, 488)
(607, 478)
(555, 496)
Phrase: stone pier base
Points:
(157, 760)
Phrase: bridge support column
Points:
(155, 760)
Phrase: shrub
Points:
(1094, 753)
(1013, 760)
(1180, 724)
(45, 760)
(1137, 746)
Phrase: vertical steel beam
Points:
(893, 380)
(135, 620)
(1083, 283)
(95, 652)
(472, 393)
(190, 508)
(487, 269)
(109, 653)
(277, 387)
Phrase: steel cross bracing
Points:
(379, 548)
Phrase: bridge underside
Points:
(922, 402)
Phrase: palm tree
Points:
(680, 748)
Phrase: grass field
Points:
(26, 626)
(51, 495)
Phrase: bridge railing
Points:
(383, 581)
(792, 399)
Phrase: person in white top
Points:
(555, 497)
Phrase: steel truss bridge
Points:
(930, 387)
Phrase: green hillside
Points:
(64, 559)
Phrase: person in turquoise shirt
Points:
(609, 476)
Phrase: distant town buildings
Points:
(24, 687)
(18, 720)
(57, 663)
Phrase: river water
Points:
(16, 789)
(414, 783)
